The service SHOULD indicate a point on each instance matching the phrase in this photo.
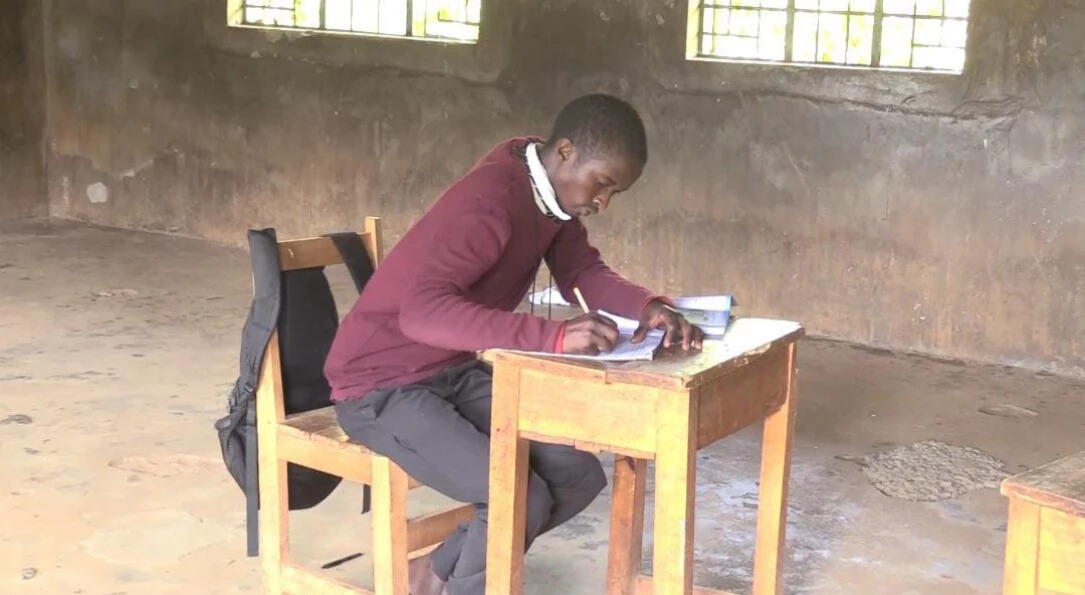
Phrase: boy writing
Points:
(402, 368)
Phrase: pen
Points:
(580, 298)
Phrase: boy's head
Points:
(597, 149)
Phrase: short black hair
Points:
(602, 124)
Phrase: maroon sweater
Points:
(449, 287)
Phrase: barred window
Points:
(892, 34)
(450, 20)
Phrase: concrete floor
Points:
(117, 350)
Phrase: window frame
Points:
(235, 17)
(694, 33)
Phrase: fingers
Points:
(687, 334)
(673, 333)
(604, 319)
(603, 342)
(591, 344)
(610, 331)
(640, 333)
(698, 338)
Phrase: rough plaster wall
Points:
(937, 213)
(22, 111)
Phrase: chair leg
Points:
(389, 527)
(274, 511)
(274, 499)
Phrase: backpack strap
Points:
(355, 257)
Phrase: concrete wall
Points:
(937, 213)
(22, 111)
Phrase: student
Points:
(403, 369)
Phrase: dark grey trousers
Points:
(438, 432)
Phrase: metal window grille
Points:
(906, 34)
(433, 19)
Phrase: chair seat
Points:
(321, 426)
(316, 440)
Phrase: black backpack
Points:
(300, 304)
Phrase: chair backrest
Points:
(296, 255)
(241, 433)
(321, 252)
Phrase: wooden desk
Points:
(1045, 535)
(664, 410)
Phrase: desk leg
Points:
(508, 487)
(626, 525)
(1022, 571)
(772, 503)
(675, 489)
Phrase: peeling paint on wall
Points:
(97, 193)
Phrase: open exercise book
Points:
(710, 313)
(625, 350)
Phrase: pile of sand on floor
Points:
(931, 470)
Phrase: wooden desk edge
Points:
(600, 372)
(1021, 486)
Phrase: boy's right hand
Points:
(589, 334)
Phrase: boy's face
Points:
(585, 184)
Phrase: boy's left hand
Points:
(657, 315)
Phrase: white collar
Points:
(545, 197)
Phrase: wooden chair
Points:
(314, 439)
(1045, 535)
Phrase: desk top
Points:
(745, 339)
(1059, 485)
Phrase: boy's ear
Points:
(565, 149)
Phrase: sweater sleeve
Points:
(436, 311)
(576, 263)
